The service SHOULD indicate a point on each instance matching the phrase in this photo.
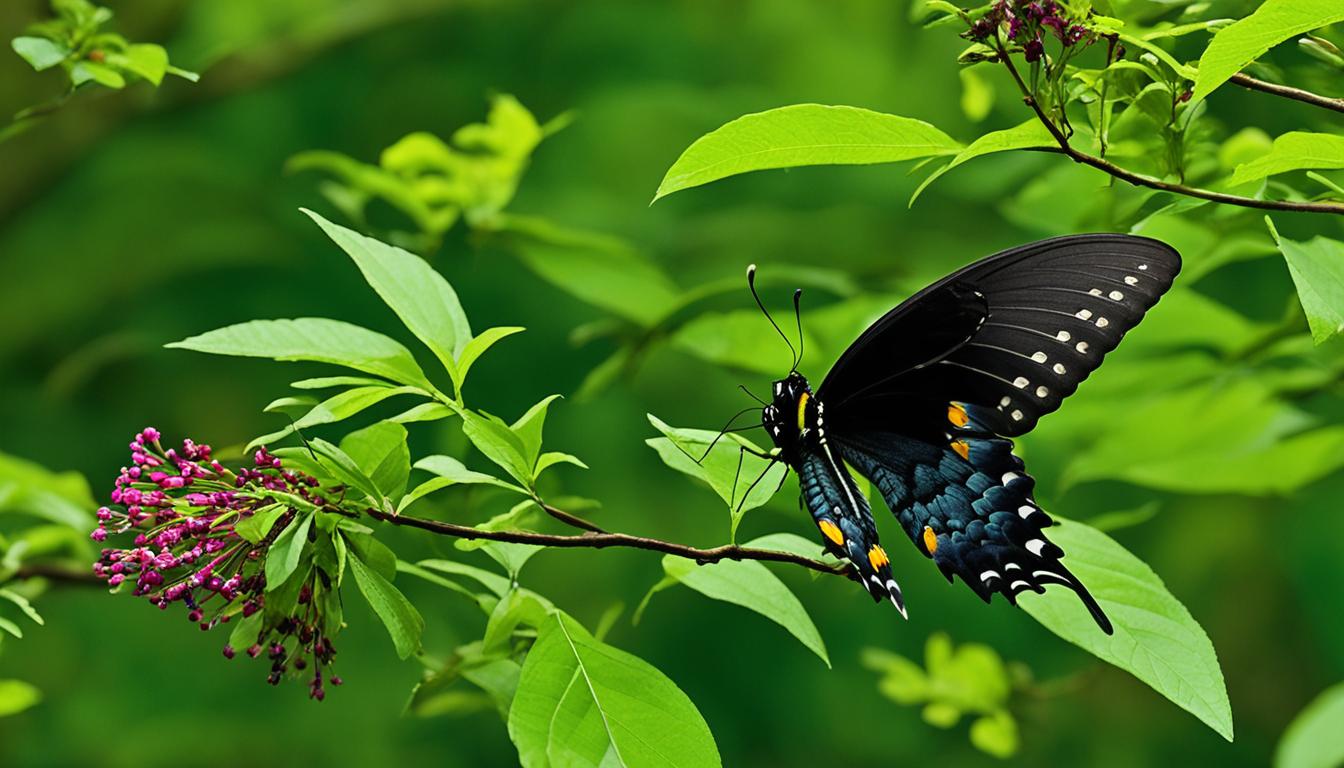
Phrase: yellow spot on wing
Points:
(930, 540)
(832, 532)
(962, 448)
(957, 415)
(802, 411)
(878, 557)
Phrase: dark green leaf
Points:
(283, 557)
(1317, 267)
(403, 622)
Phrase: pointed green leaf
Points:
(750, 584)
(499, 443)
(803, 134)
(40, 52)
(403, 622)
(253, 529)
(1313, 739)
(419, 295)
(380, 450)
(283, 557)
(1294, 151)
(582, 702)
(315, 339)
(1155, 639)
(472, 350)
(16, 696)
(337, 408)
(1317, 267)
(1243, 42)
(1028, 135)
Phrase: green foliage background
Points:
(143, 217)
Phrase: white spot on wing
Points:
(1063, 336)
(1012, 567)
(1082, 347)
(987, 575)
(1116, 295)
(1131, 280)
(1020, 382)
(1060, 369)
(1102, 322)
(1025, 511)
(1019, 585)
(1143, 267)
(1005, 402)
(1039, 357)
(1042, 392)
(1083, 314)
(1035, 546)
(1017, 415)
(1095, 292)
(1009, 477)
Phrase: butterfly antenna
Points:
(722, 432)
(798, 316)
(751, 283)
(743, 387)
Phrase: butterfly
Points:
(924, 404)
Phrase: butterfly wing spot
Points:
(1083, 314)
(1017, 415)
(1095, 292)
(1021, 382)
(962, 448)
(877, 557)
(1116, 295)
(832, 531)
(1042, 392)
(1040, 357)
(1102, 322)
(930, 541)
(1082, 347)
(1143, 267)
(1060, 369)
(1063, 336)
(802, 410)
(1131, 280)
(956, 413)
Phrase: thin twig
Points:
(1141, 180)
(568, 519)
(603, 540)
(60, 574)
(1288, 92)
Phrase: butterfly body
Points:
(925, 403)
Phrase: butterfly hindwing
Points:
(968, 506)
(842, 515)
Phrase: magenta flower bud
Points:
(104, 513)
(254, 650)
(1034, 50)
(149, 434)
(116, 579)
(99, 534)
(228, 651)
(336, 680)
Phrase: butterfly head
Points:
(792, 415)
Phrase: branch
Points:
(1288, 92)
(60, 574)
(1141, 180)
(593, 540)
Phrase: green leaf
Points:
(472, 350)
(719, 469)
(1293, 151)
(582, 702)
(803, 134)
(328, 382)
(253, 529)
(91, 71)
(995, 734)
(423, 412)
(16, 696)
(528, 429)
(144, 59)
(23, 605)
(1313, 739)
(519, 606)
(1246, 40)
(419, 295)
(751, 585)
(380, 450)
(40, 52)
(337, 408)
(11, 628)
(551, 458)
(497, 584)
(1155, 639)
(1317, 267)
(403, 622)
(498, 443)
(977, 95)
(343, 468)
(185, 74)
(283, 557)
(316, 339)
(1028, 135)
(246, 631)
(30, 489)
(448, 468)
(374, 553)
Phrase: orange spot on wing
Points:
(962, 448)
(957, 415)
(832, 531)
(930, 540)
(878, 557)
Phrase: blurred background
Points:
(132, 219)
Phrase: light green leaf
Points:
(40, 52)
(473, 349)
(803, 134)
(144, 59)
(328, 382)
(419, 295)
(995, 734)
(551, 458)
(31, 489)
(185, 74)
(283, 557)
(581, 702)
(977, 95)
(316, 339)
(528, 428)
(497, 584)
(1313, 739)
(345, 469)
(423, 412)
(246, 631)
(255, 528)
(380, 450)
(519, 606)
(719, 469)
(91, 71)
(1031, 134)
(11, 627)
(1294, 151)
(337, 408)
(750, 584)
(23, 605)
(1155, 639)
(497, 442)
(1317, 267)
(16, 696)
(1246, 40)
(448, 468)
(403, 622)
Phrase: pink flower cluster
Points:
(183, 508)
(1025, 22)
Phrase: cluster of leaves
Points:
(969, 679)
(44, 521)
(75, 41)
(560, 688)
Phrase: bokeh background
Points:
(133, 219)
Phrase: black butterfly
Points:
(923, 404)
